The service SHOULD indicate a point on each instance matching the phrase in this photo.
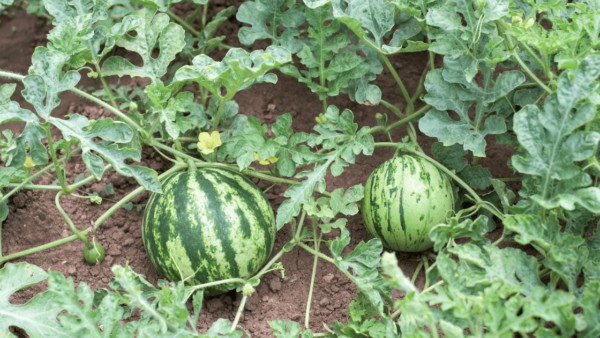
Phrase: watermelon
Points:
(404, 198)
(208, 225)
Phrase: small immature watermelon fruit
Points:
(404, 198)
(208, 225)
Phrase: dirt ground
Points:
(33, 219)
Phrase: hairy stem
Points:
(184, 24)
(405, 94)
(402, 121)
(420, 86)
(217, 283)
(59, 170)
(417, 271)
(392, 107)
(21, 185)
(217, 117)
(24, 184)
(317, 253)
(107, 90)
(300, 225)
(313, 275)
(239, 312)
(202, 164)
(70, 223)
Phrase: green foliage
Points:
(375, 21)
(523, 74)
(283, 329)
(554, 142)
(151, 30)
(237, 71)
(340, 141)
(333, 61)
(65, 310)
(449, 90)
(33, 316)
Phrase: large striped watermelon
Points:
(404, 198)
(208, 225)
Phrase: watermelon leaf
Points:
(95, 153)
(265, 17)
(373, 20)
(283, 329)
(237, 71)
(448, 90)
(46, 80)
(552, 143)
(37, 317)
(340, 136)
(151, 29)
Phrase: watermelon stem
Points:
(74, 229)
(267, 266)
(425, 261)
(417, 271)
(300, 225)
(238, 314)
(60, 170)
(406, 119)
(217, 283)
(47, 187)
(317, 245)
(319, 254)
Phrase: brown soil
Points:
(33, 219)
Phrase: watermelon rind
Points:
(207, 225)
(404, 198)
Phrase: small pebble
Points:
(324, 301)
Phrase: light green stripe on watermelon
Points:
(208, 225)
(404, 198)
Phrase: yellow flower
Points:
(207, 143)
(270, 160)
(28, 162)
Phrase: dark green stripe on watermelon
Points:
(208, 225)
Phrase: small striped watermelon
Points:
(404, 198)
(208, 225)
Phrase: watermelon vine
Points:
(506, 256)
